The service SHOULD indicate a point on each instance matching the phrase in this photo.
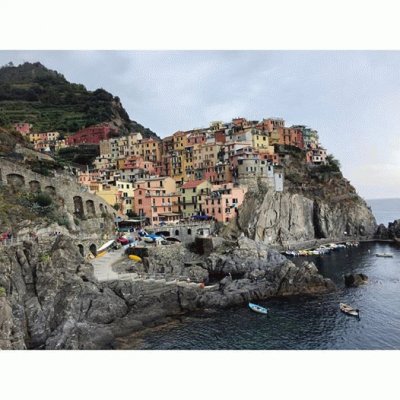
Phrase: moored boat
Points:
(106, 246)
(384, 255)
(133, 257)
(355, 312)
(258, 309)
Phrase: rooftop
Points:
(192, 184)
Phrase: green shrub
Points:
(45, 257)
(2, 292)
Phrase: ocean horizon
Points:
(385, 210)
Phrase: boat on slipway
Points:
(258, 309)
(101, 251)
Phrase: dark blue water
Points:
(303, 322)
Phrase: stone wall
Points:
(63, 188)
(185, 233)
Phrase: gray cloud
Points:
(351, 98)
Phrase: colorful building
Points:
(192, 195)
(91, 135)
(223, 202)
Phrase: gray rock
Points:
(355, 280)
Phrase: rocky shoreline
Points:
(53, 300)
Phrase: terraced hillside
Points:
(35, 94)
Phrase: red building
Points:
(91, 135)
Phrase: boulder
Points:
(355, 280)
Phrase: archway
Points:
(16, 181)
(90, 208)
(78, 207)
(81, 250)
(34, 186)
(51, 190)
(93, 249)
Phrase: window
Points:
(189, 231)
(140, 201)
(148, 184)
(177, 232)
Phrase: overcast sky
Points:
(351, 98)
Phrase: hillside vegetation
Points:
(31, 92)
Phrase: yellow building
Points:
(107, 192)
(180, 140)
(192, 196)
(260, 142)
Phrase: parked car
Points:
(123, 240)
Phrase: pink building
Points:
(224, 201)
(157, 200)
(88, 177)
(137, 162)
(24, 128)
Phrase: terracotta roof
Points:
(192, 184)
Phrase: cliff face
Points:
(317, 203)
(286, 218)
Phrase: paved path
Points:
(103, 265)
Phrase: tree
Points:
(116, 206)
(333, 162)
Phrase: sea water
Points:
(305, 322)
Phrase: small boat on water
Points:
(355, 312)
(258, 308)
(384, 254)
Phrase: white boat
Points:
(106, 246)
(355, 312)
(258, 309)
(384, 255)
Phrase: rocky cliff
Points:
(51, 300)
(391, 232)
(317, 203)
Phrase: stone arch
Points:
(78, 207)
(81, 250)
(16, 181)
(51, 190)
(93, 249)
(34, 186)
(90, 208)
